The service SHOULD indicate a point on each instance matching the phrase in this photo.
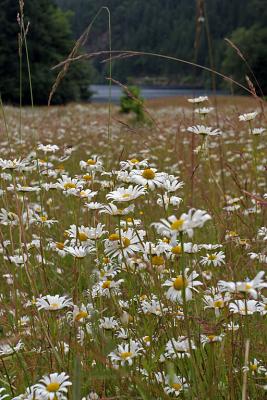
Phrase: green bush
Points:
(132, 102)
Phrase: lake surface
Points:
(101, 93)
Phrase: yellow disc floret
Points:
(157, 260)
(53, 387)
(148, 173)
(126, 354)
(177, 249)
(91, 161)
(180, 283)
(82, 236)
(177, 225)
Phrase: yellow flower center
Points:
(157, 260)
(126, 354)
(53, 387)
(177, 250)
(177, 225)
(54, 306)
(69, 185)
(106, 284)
(143, 297)
(82, 236)
(176, 386)
(148, 174)
(212, 257)
(81, 315)
(180, 283)
(91, 161)
(87, 177)
(126, 242)
(60, 245)
(219, 303)
(113, 237)
(211, 337)
(134, 161)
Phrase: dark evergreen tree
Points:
(49, 41)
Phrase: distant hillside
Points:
(173, 27)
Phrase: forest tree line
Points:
(193, 30)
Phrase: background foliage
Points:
(173, 27)
(49, 41)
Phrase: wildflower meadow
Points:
(133, 257)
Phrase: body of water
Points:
(101, 93)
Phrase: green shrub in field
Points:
(132, 102)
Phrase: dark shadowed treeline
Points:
(180, 28)
(42, 31)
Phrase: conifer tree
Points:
(49, 41)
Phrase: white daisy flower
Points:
(206, 339)
(178, 348)
(93, 164)
(262, 233)
(108, 324)
(125, 353)
(112, 209)
(152, 306)
(15, 164)
(214, 259)
(244, 307)
(85, 234)
(8, 349)
(53, 303)
(217, 302)
(148, 177)
(106, 288)
(258, 131)
(248, 116)
(197, 100)
(175, 384)
(69, 185)
(204, 130)
(171, 226)
(53, 386)
(203, 110)
(126, 194)
(94, 206)
(134, 163)
(179, 284)
(8, 218)
(249, 286)
(124, 244)
(80, 251)
(48, 148)
(3, 395)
